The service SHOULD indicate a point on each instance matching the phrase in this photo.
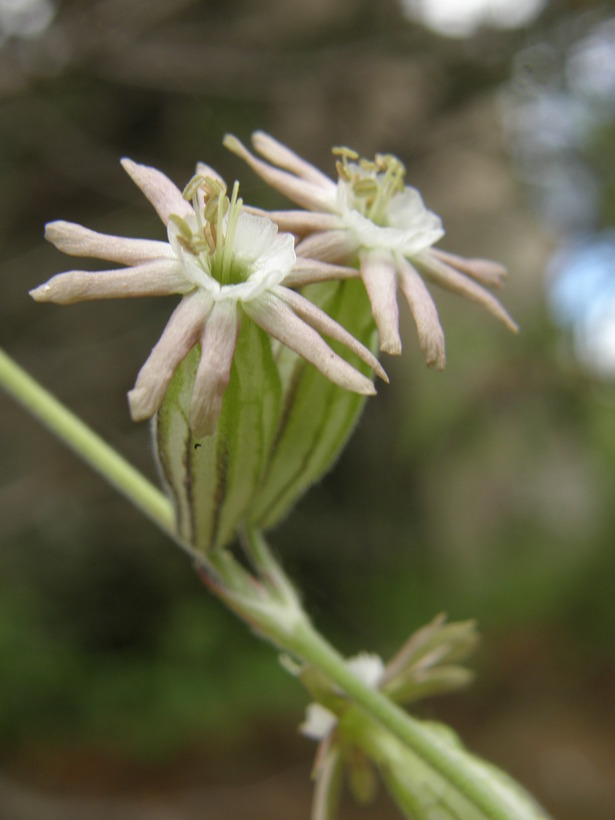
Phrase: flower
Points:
(227, 264)
(427, 664)
(370, 215)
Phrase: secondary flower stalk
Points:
(229, 266)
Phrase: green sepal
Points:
(421, 792)
(317, 417)
(212, 479)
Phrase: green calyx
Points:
(282, 426)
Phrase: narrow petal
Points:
(303, 192)
(431, 335)
(282, 156)
(451, 279)
(218, 342)
(277, 319)
(178, 338)
(76, 240)
(485, 271)
(328, 246)
(380, 279)
(308, 271)
(299, 222)
(159, 278)
(164, 195)
(323, 323)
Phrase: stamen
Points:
(366, 187)
(182, 226)
(234, 210)
(192, 187)
(344, 152)
(211, 236)
(368, 165)
(343, 171)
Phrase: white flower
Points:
(372, 217)
(228, 265)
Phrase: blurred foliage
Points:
(485, 491)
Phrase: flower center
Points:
(210, 240)
(373, 183)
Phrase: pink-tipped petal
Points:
(76, 240)
(431, 335)
(299, 222)
(451, 279)
(178, 338)
(485, 271)
(380, 278)
(158, 278)
(164, 195)
(282, 156)
(218, 342)
(328, 246)
(308, 271)
(277, 319)
(301, 191)
(323, 323)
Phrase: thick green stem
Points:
(87, 444)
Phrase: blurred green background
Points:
(486, 491)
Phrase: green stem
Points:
(281, 618)
(87, 444)
(490, 795)
(297, 636)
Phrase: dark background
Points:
(486, 491)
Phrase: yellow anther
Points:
(182, 226)
(346, 153)
(368, 165)
(365, 187)
(192, 187)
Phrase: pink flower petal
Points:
(308, 271)
(158, 278)
(451, 279)
(76, 240)
(323, 323)
(303, 192)
(380, 279)
(178, 338)
(328, 246)
(282, 156)
(485, 271)
(277, 319)
(299, 222)
(218, 342)
(431, 335)
(164, 195)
